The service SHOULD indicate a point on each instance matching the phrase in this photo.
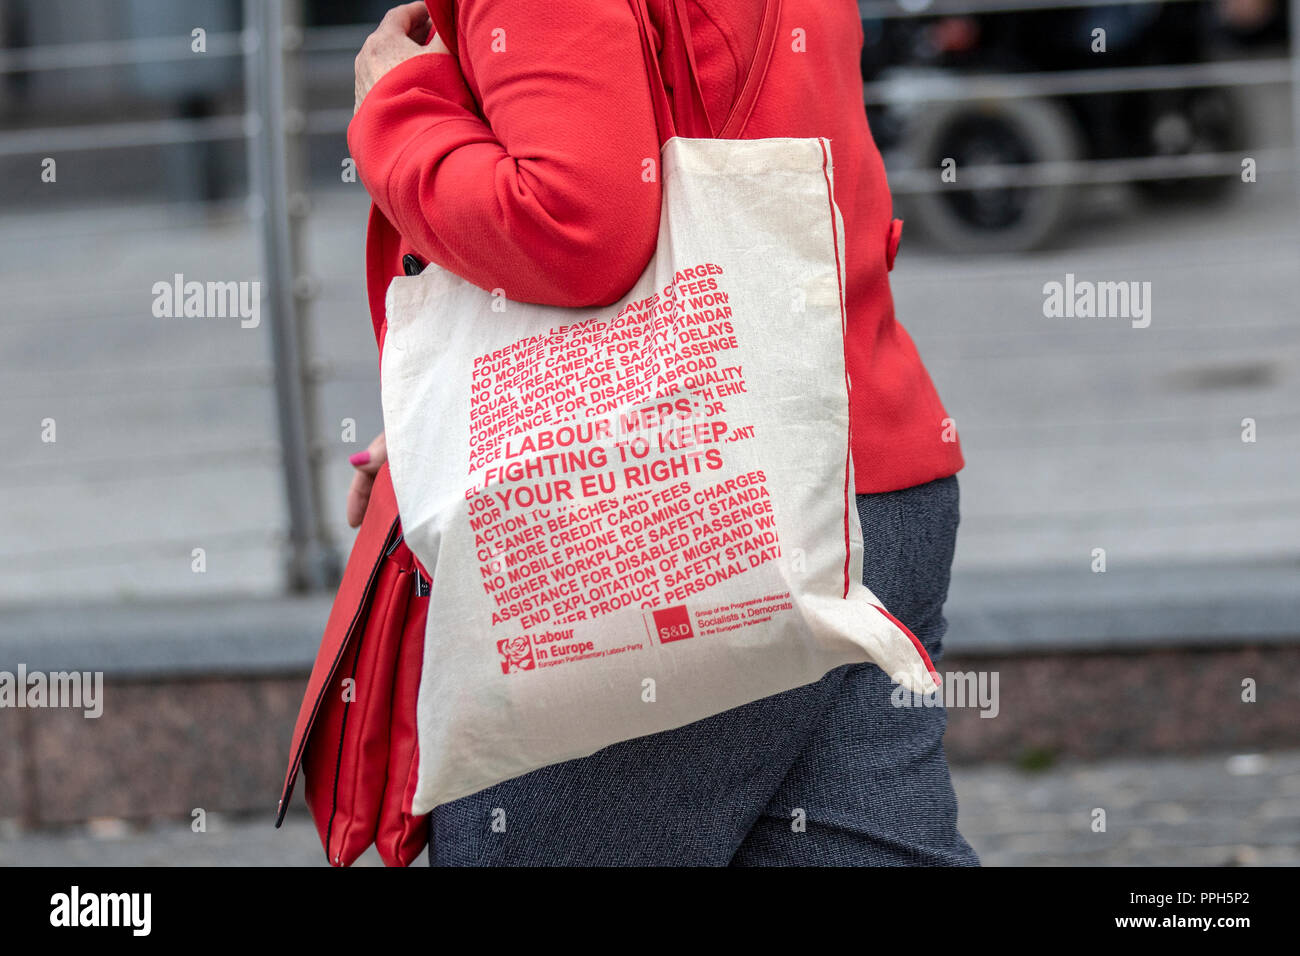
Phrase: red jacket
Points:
(517, 165)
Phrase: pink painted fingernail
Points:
(359, 459)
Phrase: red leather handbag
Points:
(355, 738)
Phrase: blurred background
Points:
(1129, 560)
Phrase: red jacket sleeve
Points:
(539, 189)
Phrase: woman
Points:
(504, 140)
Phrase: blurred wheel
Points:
(996, 218)
(1188, 123)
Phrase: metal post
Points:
(272, 34)
(1293, 31)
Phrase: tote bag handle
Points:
(686, 114)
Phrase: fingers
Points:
(379, 450)
(359, 497)
(369, 461)
(401, 35)
(421, 33)
(410, 19)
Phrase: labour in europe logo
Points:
(516, 654)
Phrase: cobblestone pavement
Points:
(1239, 810)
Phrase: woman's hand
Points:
(400, 36)
(367, 464)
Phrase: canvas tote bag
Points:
(639, 515)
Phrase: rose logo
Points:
(516, 654)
